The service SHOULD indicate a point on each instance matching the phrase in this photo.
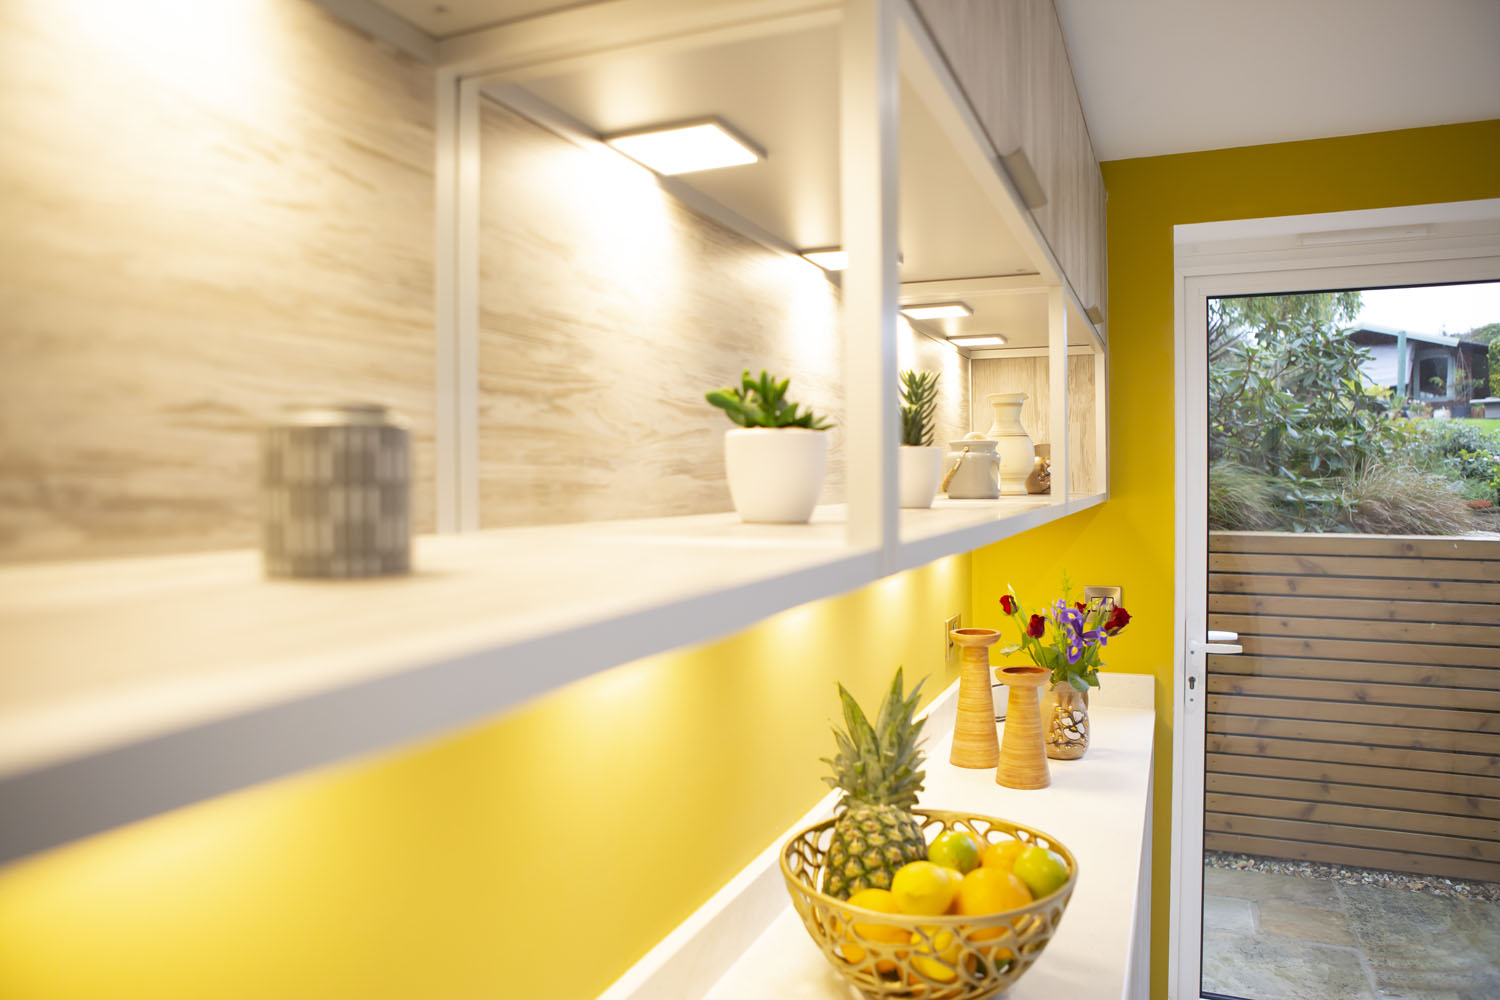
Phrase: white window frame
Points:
(1413, 245)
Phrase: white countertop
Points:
(1098, 806)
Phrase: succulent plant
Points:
(762, 403)
(918, 405)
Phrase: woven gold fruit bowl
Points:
(940, 958)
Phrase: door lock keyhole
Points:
(1192, 683)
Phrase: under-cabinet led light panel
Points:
(986, 340)
(938, 310)
(834, 259)
(683, 149)
(828, 260)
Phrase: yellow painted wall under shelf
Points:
(536, 856)
(1129, 540)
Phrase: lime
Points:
(1043, 871)
(924, 889)
(956, 849)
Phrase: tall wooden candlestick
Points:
(974, 741)
(1023, 754)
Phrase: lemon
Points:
(1002, 855)
(1043, 871)
(881, 901)
(924, 888)
(955, 849)
(925, 957)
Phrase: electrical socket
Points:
(1112, 597)
(950, 648)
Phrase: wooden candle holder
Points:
(1023, 753)
(974, 740)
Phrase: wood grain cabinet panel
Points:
(1011, 61)
(205, 219)
(607, 309)
(1029, 375)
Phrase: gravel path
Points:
(1452, 888)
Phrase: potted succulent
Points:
(777, 456)
(921, 462)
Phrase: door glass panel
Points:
(1351, 811)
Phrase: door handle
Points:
(1222, 643)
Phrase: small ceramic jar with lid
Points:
(973, 470)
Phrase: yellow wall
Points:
(537, 856)
(1129, 541)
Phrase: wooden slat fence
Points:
(1362, 724)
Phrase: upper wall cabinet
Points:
(1009, 57)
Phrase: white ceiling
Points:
(1173, 76)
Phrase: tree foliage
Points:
(1488, 380)
(1287, 399)
(1231, 320)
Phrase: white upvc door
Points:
(1416, 245)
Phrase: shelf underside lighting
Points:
(829, 259)
(684, 149)
(938, 310)
(983, 340)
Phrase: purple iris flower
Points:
(1071, 622)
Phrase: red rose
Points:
(1008, 604)
(1036, 627)
(1079, 606)
(1118, 619)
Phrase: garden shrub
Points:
(1387, 499)
(1298, 441)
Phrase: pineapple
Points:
(880, 773)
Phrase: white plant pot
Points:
(775, 474)
(920, 470)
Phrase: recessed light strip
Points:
(984, 340)
(828, 258)
(938, 310)
(687, 148)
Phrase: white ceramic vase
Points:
(920, 471)
(1013, 444)
(775, 474)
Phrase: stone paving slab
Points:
(1267, 886)
(1259, 968)
(1270, 936)
(1319, 924)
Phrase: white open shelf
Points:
(139, 685)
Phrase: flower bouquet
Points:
(1066, 640)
